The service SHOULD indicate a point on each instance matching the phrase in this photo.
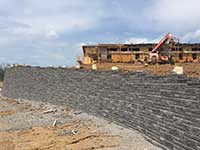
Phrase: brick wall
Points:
(164, 109)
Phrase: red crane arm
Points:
(162, 41)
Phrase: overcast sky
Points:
(51, 32)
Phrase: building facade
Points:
(137, 53)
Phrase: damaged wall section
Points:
(165, 109)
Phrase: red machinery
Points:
(160, 55)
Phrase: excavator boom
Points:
(162, 55)
(168, 36)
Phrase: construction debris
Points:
(190, 69)
(94, 67)
(54, 123)
(50, 111)
(114, 68)
(30, 128)
(178, 70)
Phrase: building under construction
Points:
(137, 53)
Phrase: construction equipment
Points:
(160, 54)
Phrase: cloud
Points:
(33, 31)
(44, 16)
(174, 15)
(135, 40)
(52, 34)
(191, 36)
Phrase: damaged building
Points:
(137, 53)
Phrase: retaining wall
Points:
(165, 109)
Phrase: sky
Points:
(51, 32)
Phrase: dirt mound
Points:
(190, 69)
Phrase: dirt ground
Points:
(28, 125)
(190, 69)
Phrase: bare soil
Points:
(28, 125)
(190, 69)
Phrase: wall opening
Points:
(195, 49)
(124, 49)
(180, 56)
(113, 49)
(137, 56)
(134, 49)
(194, 56)
(109, 57)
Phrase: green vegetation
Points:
(3, 68)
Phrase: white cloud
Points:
(174, 15)
(46, 15)
(136, 40)
(191, 36)
(34, 30)
(52, 34)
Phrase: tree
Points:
(3, 68)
